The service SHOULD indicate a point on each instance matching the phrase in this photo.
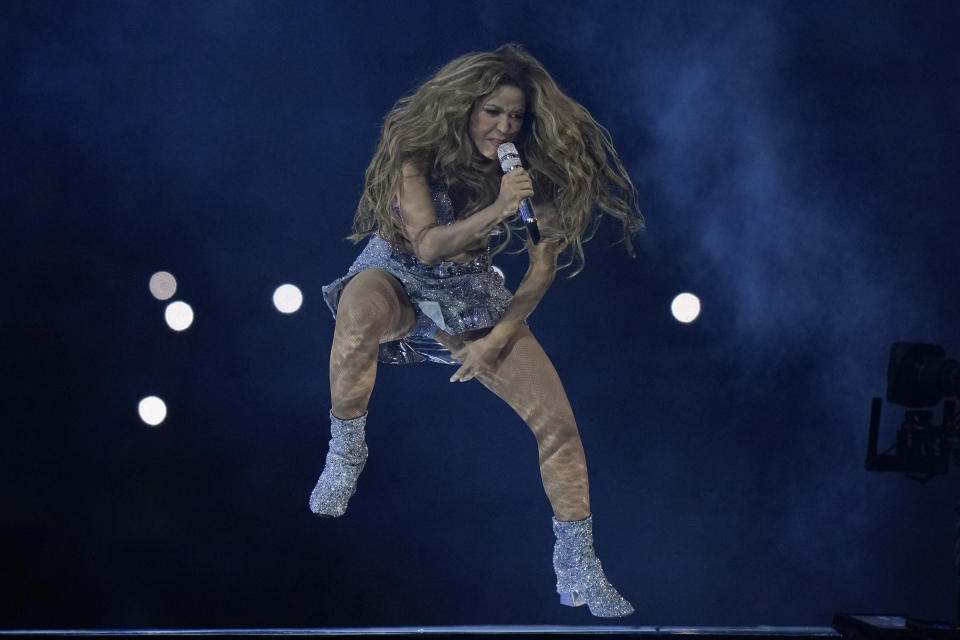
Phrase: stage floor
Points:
(458, 632)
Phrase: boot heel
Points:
(580, 578)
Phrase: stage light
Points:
(685, 307)
(163, 285)
(152, 410)
(287, 298)
(179, 315)
(920, 375)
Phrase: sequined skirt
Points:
(451, 296)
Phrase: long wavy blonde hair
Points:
(570, 157)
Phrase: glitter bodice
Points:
(442, 202)
(452, 296)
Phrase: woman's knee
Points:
(560, 442)
(371, 305)
(555, 426)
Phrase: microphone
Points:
(510, 160)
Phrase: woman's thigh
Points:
(376, 302)
(526, 379)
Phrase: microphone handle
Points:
(530, 218)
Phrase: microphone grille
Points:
(509, 158)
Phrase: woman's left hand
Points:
(478, 357)
(544, 252)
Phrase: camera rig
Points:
(919, 377)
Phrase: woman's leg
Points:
(373, 309)
(527, 381)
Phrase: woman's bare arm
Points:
(536, 281)
(432, 242)
(482, 354)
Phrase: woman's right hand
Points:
(514, 187)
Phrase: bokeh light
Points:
(179, 315)
(685, 307)
(163, 285)
(287, 298)
(152, 410)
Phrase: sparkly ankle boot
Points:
(580, 578)
(345, 459)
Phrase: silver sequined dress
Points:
(452, 296)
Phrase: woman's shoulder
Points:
(424, 174)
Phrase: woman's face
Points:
(497, 118)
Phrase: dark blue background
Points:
(797, 164)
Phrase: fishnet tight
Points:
(375, 309)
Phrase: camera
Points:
(919, 377)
